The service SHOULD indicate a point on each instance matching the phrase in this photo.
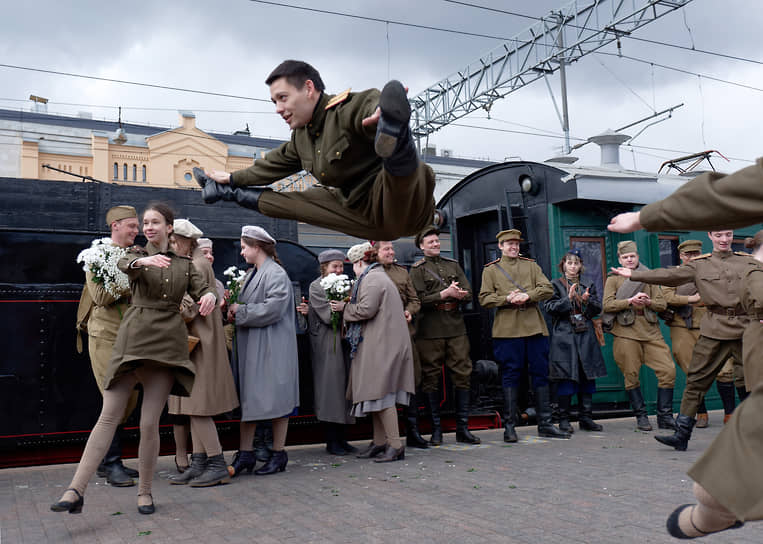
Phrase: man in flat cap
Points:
(441, 337)
(630, 309)
(411, 304)
(359, 148)
(718, 277)
(100, 313)
(514, 285)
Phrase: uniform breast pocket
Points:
(338, 149)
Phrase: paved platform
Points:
(617, 486)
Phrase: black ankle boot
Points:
(585, 420)
(543, 410)
(665, 409)
(215, 472)
(413, 438)
(510, 396)
(639, 409)
(462, 418)
(277, 463)
(198, 464)
(433, 399)
(680, 439)
(242, 461)
(111, 467)
(564, 402)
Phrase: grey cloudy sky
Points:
(229, 46)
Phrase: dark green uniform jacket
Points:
(430, 276)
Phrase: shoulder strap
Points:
(83, 314)
(434, 274)
(510, 278)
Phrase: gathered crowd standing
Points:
(151, 348)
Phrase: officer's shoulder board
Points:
(137, 249)
(491, 262)
(703, 256)
(743, 254)
(526, 259)
(419, 262)
(338, 99)
(449, 260)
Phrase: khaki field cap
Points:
(204, 242)
(628, 246)
(258, 233)
(183, 227)
(511, 234)
(690, 245)
(330, 255)
(431, 229)
(357, 252)
(118, 213)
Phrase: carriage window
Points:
(594, 259)
(669, 251)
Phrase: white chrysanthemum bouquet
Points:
(235, 283)
(101, 260)
(337, 287)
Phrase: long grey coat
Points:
(266, 364)
(331, 362)
(383, 363)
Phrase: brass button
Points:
(319, 152)
(164, 295)
(337, 153)
(167, 280)
(323, 174)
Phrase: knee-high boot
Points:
(680, 439)
(413, 438)
(462, 418)
(639, 409)
(742, 393)
(433, 399)
(585, 420)
(510, 395)
(543, 411)
(665, 408)
(564, 402)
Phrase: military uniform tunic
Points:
(440, 329)
(640, 343)
(731, 469)
(718, 277)
(520, 334)
(399, 276)
(356, 195)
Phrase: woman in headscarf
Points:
(381, 373)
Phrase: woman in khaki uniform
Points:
(729, 475)
(151, 349)
(213, 390)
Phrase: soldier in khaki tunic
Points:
(358, 146)
(718, 276)
(514, 285)
(411, 305)
(631, 308)
(103, 313)
(441, 333)
(729, 475)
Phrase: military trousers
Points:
(394, 206)
(630, 354)
(683, 340)
(731, 468)
(707, 361)
(512, 354)
(100, 349)
(452, 352)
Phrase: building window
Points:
(144, 173)
(135, 172)
(116, 171)
(187, 176)
(124, 172)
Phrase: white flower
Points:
(101, 259)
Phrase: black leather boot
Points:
(462, 418)
(262, 451)
(215, 472)
(413, 438)
(243, 461)
(433, 399)
(111, 467)
(680, 439)
(564, 402)
(742, 393)
(395, 115)
(585, 420)
(665, 409)
(726, 392)
(639, 409)
(211, 191)
(510, 395)
(543, 410)
(332, 440)
(341, 437)
(198, 464)
(277, 463)
(248, 197)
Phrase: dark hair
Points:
(370, 256)
(163, 209)
(755, 242)
(194, 241)
(269, 249)
(296, 73)
(564, 258)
